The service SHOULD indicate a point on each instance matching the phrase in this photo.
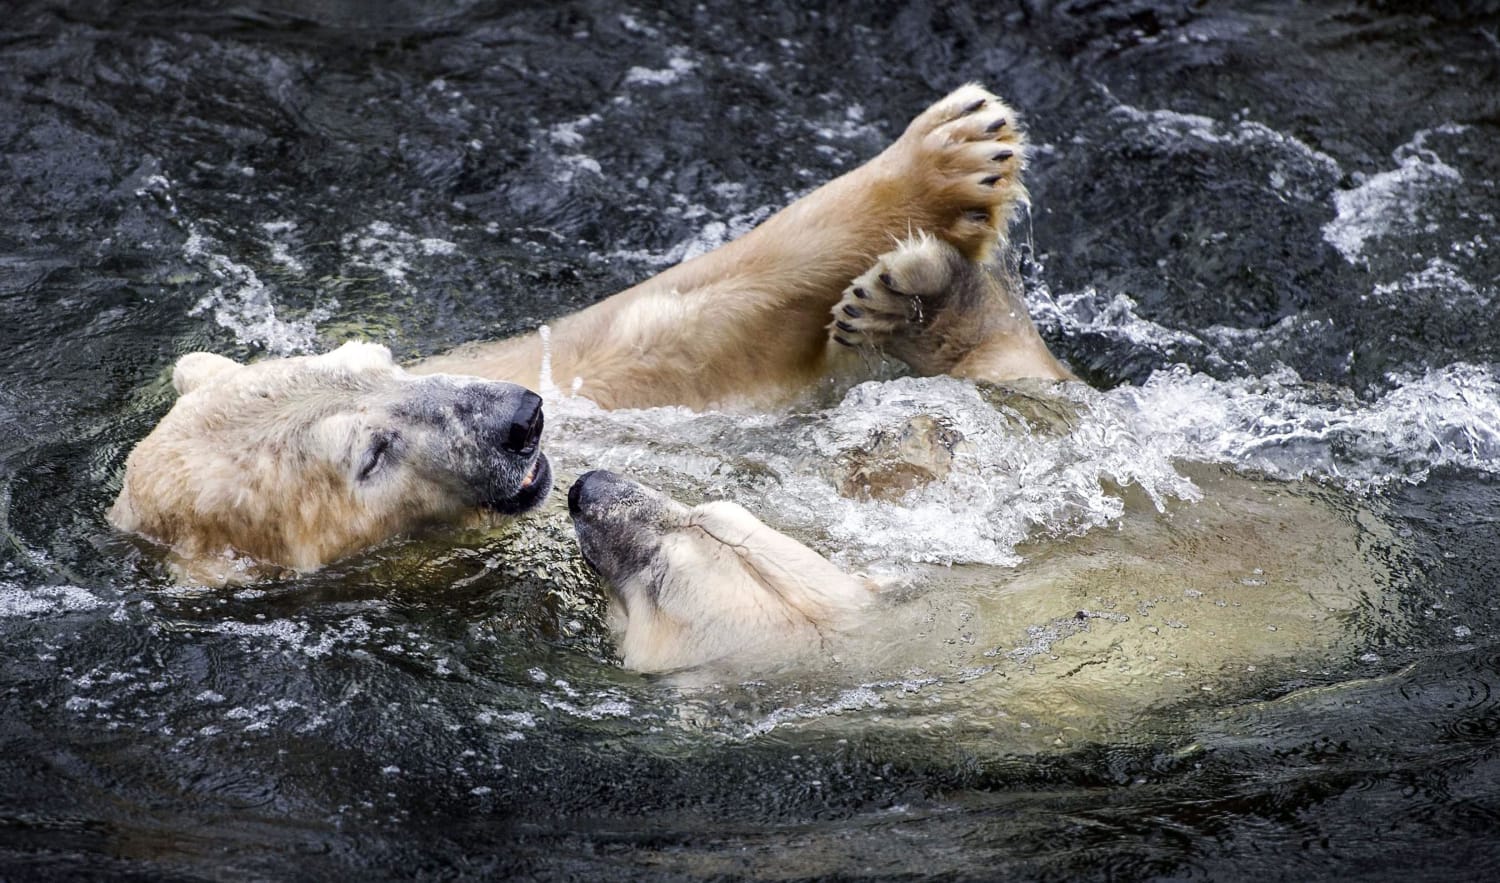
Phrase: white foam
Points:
(570, 132)
(1169, 127)
(1389, 202)
(857, 699)
(634, 25)
(1113, 316)
(848, 125)
(42, 600)
(298, 636)
(606, 706)
(678, 66)
(1439, 279)
(1277, 424)
(514, 718)
(1005, 484)
(380, 246)
(1010, 482)
(243, 303)
(281, 253)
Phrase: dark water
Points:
(1294, 205)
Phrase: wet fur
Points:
(261, 467)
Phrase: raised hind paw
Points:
(963, 157)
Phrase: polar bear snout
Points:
(482, 439)
(600, 497)
(501, 417)
(620, 524)
(525, 431)
(513, 475)
(587, 491)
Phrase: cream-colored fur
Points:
(291, 463)
(232, 475)
(710, 584)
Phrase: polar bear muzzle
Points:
(486, 434)
(620, 523)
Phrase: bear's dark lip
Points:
(534, 489)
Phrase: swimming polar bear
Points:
(289, 464)
(1257, 576)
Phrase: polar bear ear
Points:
(359, 355)
(197, 370)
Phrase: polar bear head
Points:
(708, 584)
(291, 463)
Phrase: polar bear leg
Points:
(748, 317)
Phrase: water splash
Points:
(1390, 202)
(1009, 478)
(382, 247)
(1286, 428)
(243, 303)
(17, 601)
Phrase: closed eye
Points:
(378, 452)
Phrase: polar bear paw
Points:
(928, 305)
(964, 156)
(892, 306)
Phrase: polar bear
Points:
(689, 587)
(1236, 595)
(290, 463)
(257, 467)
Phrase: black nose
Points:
(575, 493)
(525, 425)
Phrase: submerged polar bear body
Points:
(1244, 587)
(228, 482)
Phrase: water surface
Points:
(1232, 618)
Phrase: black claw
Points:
(973, 107)
(888, 282)
(852, 311)
(861, 293)
(996, 126)
(845, 326)
(1003, 155)
(990, 181)
(843, 341)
